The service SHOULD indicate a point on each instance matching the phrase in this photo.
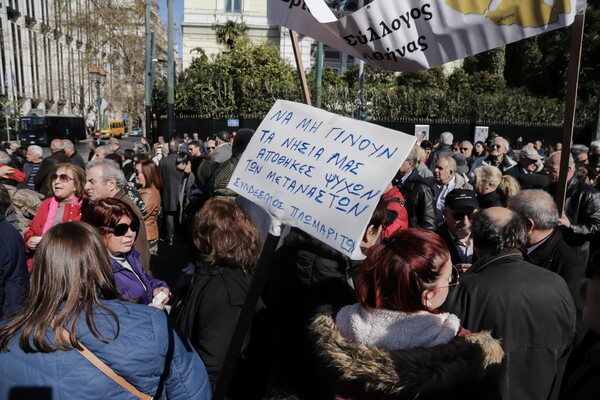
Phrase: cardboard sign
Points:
(320, 172)
(421, 34)
(421, 133)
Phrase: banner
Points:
(320, 172)
(420, 34)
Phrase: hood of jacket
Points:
(405, 372)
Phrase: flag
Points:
(421, 34)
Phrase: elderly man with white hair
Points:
(443, 149)
(498, 158)
(73, 154)
(32, 166)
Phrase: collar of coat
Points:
(404, 372)
(503, 256)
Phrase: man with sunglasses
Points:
(466, 148)
(499, 158)
(456, 229)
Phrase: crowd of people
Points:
(473, 286)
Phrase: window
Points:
(233, 6)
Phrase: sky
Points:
(177, 19)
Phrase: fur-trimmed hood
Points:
(368, 372)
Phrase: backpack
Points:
(397, 216)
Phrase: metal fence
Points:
(462, 130)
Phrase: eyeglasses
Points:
(121, 229)
(496, 146)
(62, 178)
(454, 280)
(459, 215)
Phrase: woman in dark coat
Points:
(228, 243)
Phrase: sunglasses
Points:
(454, 280)
(210, 148)
(63, 178)
(121, 229)
(496, 146)
(459, 216)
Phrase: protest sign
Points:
(421, 133)
(421, 34)
(320, 172)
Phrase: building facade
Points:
(200, 19)
(48, 48)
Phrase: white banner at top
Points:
(412, 35)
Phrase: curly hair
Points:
(226, 236)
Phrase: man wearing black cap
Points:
(222, 152)
(456, 229)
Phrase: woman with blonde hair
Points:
(73, 311)
(67, 184)
(228, 246)
(494, 189)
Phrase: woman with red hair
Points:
(410, 348)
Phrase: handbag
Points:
(108, 371)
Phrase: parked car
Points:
(136, 132)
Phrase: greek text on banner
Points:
(421, 34)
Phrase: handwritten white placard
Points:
(420, 34)
(319, 171)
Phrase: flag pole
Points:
(571, 102)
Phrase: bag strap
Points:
(108, 371)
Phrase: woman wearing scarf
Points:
(67, 185)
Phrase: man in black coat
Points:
(580, 223)
(547, 249)
(528, 307)
(418, 194)
(172, 179)
(14, 279)
(73, 154)
(58, 156)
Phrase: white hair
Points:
(67, 144)
(503, 141)
(595, 147)
(447, 138)
(35, 149)
(4, 157)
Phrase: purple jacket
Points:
(129, 285)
